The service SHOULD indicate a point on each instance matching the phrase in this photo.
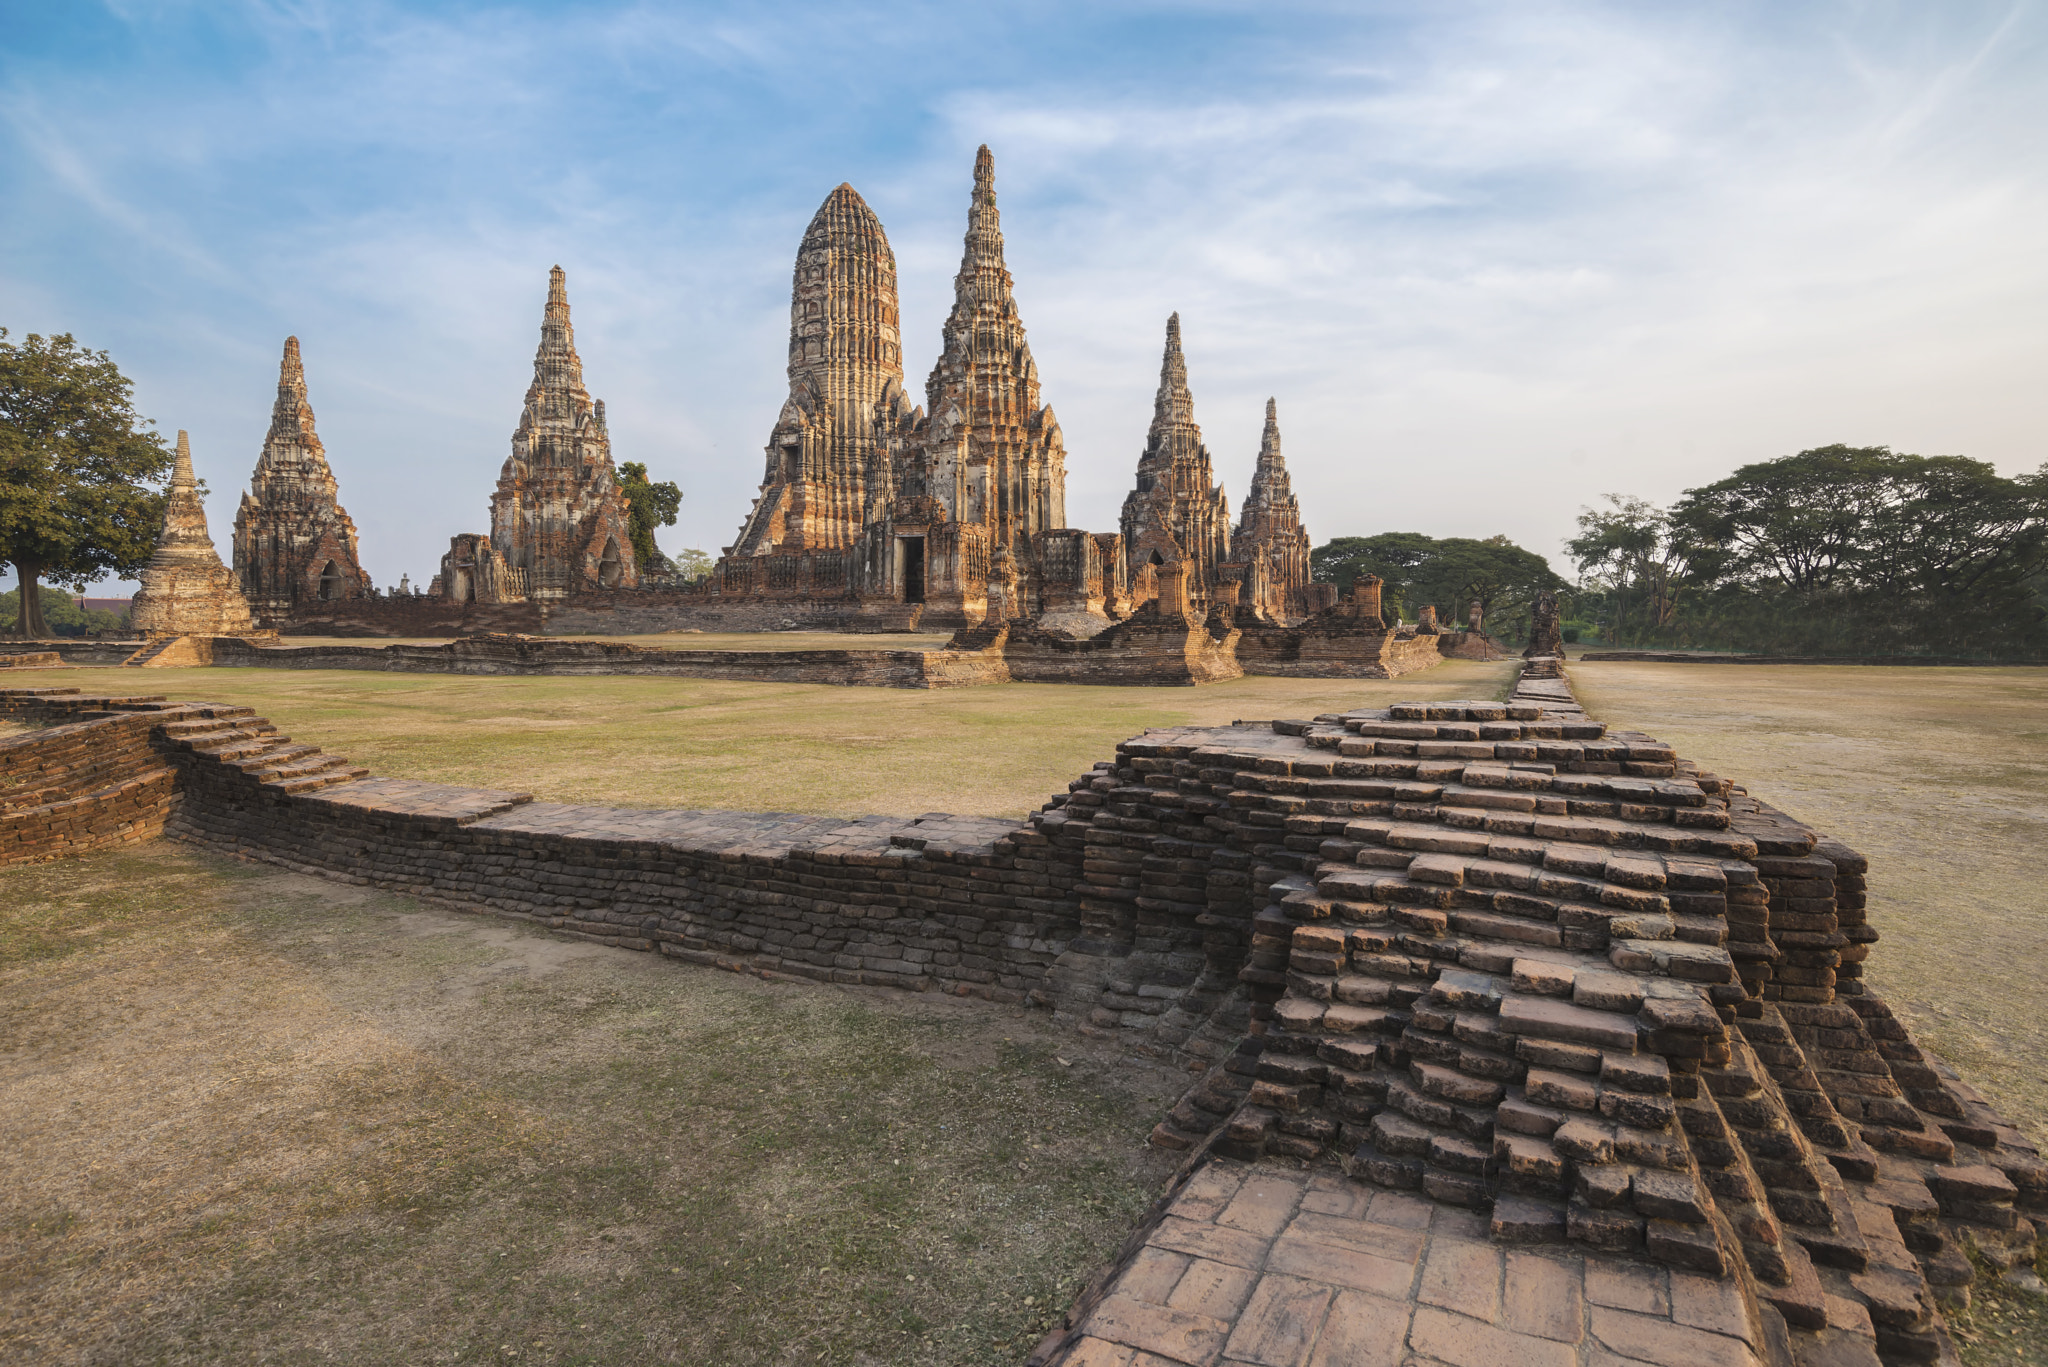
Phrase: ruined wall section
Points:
(78, 786)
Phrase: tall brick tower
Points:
(293, 541)
(1177, 514)
(1270, 542)
(557, 515)
(991, 452)
(845, 355)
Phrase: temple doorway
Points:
(910, 553)
(330, 582)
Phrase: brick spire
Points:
(557, 391)
(1012, 472)
(1269, 530)
(185, 588)
(557, 514)
(185, 534)
(292, 451)
(294, 541)
(1177, 511)
(1271, 488)
(845, 359)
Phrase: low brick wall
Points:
(1679, 657)
(408, 617)
(80, 651)
(1326, 650)
(541, 655)
(1146, 649)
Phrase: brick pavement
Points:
(1258, 1266)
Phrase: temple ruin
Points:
(1177, 513)
(559, 524)
(293, 540)
(185, 589)
(1269, 549)
(941, 514)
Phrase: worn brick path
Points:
(1258, 1267)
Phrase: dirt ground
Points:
(248, 1116)
(634, 741)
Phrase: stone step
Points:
(275, 753)
(301, 766)
(238, 745)
(306, 781)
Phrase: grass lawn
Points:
(251, 1116)
(638, 741)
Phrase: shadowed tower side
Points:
(845, 358)
(293, 540)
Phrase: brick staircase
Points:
(238, 739)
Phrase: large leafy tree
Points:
(1835, 550)
(1865, 519)
(650, 505)
(76, 461)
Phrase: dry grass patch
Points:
(659, 742)
(296, 1122)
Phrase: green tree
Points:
(75, 462)
(61, 615)
(1634, 553)
(693, 565)
(651, 505)
(1910, 552)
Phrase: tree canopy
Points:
(75, 464)
(650, 505)
(1449, 572)
(1838, 549)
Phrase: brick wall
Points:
(79, 786)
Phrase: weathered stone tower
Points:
(991, 451)
(1270, 542)
(186, 591)
(557, 516)
(293, 541)
(1177, 514)
(984, 472)
(845, 354)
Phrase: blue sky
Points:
(1493, 259)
